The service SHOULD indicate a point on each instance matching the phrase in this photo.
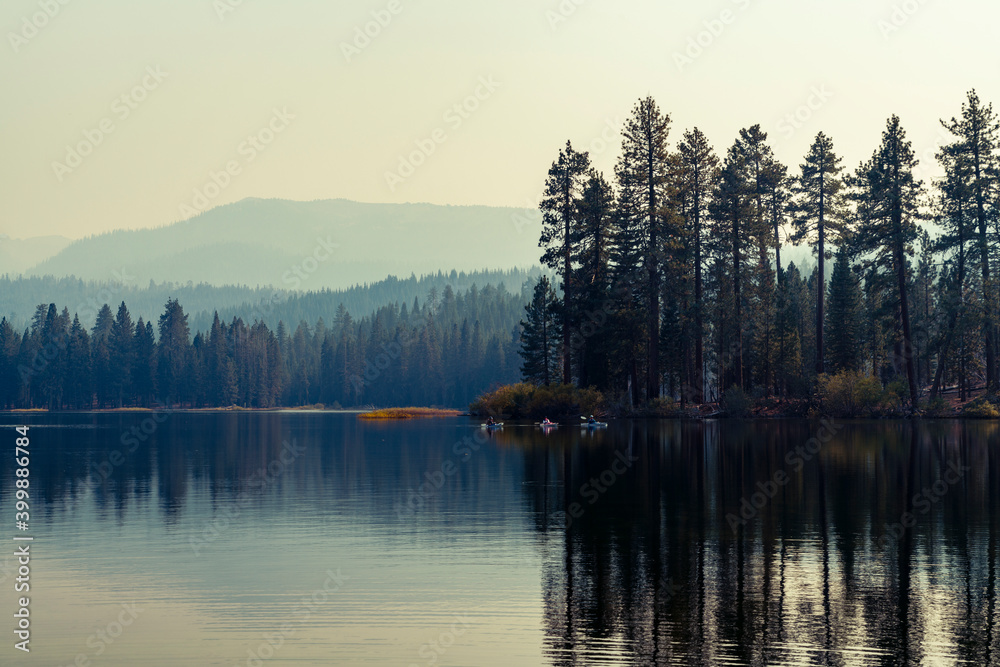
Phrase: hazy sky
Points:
(183, 86)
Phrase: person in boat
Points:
(490, 422)
(591, 420)
(546, 422)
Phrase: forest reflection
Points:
(827, 572)
(645, 556)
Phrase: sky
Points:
(122, 114)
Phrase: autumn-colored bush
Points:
(983, 407)
(406, 413)
(938, 407)
(528, 401)
(849, 394)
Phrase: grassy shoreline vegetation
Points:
(390, 414)
(847, 395)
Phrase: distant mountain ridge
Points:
(314, 245)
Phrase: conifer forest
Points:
(663, 280)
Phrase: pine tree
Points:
(954, 214)
(10, 345)
(925, 311)
(540, 336)
(144, 356)
(560, 219)
(789, 326)
(222, 385)
(975, 152)
(646, 161)
(732, 215)
(120, 352)
(843, 321)
(593, 248)
(51, 366)
(100, 349)
(627, 325)
(817, 210)
(78, 389)
(888, 198)
(173, 348)
(697, 173)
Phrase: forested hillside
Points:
(440, 350)
(19, 297)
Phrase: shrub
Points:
(665, 406)
(983, 407)
(527, 401)
(938, 407)
(736, 402)
(506, 400)
(849, 394)
(895, 398)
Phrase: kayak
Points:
(595, 425)
(492, 427)
(549, 425)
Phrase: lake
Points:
(296, 538)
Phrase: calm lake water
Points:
(316, 539)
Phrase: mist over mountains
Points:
(273, 260)
(308, 246)
(19, 255)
